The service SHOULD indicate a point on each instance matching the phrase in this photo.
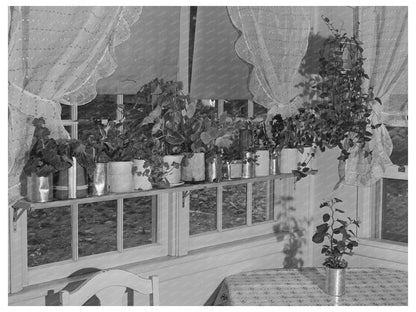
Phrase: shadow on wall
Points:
(291, 229)
(309, 67)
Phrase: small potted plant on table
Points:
(338, 240)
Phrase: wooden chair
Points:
(110, 287)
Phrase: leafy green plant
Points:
(343, 107)
(68, 148)
(217, 136)
(169, 105)
(340, 239)
(94, 140)
(116, 140)
(297, 131)
(261, 139)
(43, 156)
(172, 126)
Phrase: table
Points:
(293, 287)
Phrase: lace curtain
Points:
(383, 31)
(56, 55)
(274, 40)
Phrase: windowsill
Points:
(384, 244)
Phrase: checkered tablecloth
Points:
(364, 286)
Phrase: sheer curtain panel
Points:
(56, 55)
(383, 31)
(274, 40)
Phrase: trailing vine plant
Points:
(343, 108)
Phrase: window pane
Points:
(234, 209)
(259, 111)
(48, 235)
(395, 214)
(66, 112)
(137, 221)
(399, 137)
(261, 205)
(236, 108)
(104, 106)
(202, 211)
(97, 228)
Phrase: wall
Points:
(370, 252)
(188, 280)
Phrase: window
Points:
(394, 201)
(386, 217)
(104, 233)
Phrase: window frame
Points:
(372, 207)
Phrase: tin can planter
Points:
(248, 165)
(193, 167)
(173, 171)
(236, 169)
(263, 163)
(232, 169)
(288, 160)
(39, 189)
(71, 183)
(213, 168)
(99, 184)
(335, 281)
(274, 164)
(140, 178)
(120, 178)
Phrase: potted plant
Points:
(139, 137)
(249, 157)
(217, 137)
(72, 181)
(193, 163)
(169, 106)
(232, 158)
(338, 240)
(93, 137)
(120, 154)
(294, 139)
(232, 155)
(262, 145)
(42, 163)
(342, 106)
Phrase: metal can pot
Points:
(99, 185)
(214, 169)
(274, 164)
(249, 165)
(39, 189)
(335, 281)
